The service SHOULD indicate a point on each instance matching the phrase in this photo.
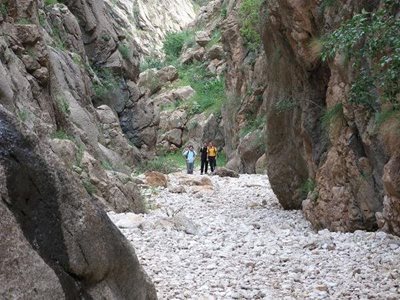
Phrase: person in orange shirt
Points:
(212, 156)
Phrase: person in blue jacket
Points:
(190, 156)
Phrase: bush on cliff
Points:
(174, 43)
(249, 14)
(210, 90)
(371, 41)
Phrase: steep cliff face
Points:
(296, 89)
(245, 110)
(149, 21)
(319, 142)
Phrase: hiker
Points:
(204, 159)
(190, 155)
(212, 155)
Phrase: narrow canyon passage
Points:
(228, 238)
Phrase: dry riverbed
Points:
(228, 238)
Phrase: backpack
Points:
(187, 153)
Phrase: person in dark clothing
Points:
(204, 159)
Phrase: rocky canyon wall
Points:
(320, 144)
(56, 242)
(67, 70)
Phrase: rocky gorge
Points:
(94, 92)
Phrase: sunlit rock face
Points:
(149, 21)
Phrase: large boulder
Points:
(156, 179)
(183, 93)
(172, 120)
(173, 137)
(215, 52)
(202, 38)
(152, 80)
(203, 128)
(114, 190)
(261, 165)
(191, 55)
(139, 123)
(56, 242)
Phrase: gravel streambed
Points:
(228, 238)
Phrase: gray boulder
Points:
(215, 52)
(202, 38)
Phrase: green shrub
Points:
(169, 163)
(124, 50)
(79, 154)
(105, 37)
(372, 41)
(210, 91)
(385, 115)
(63, 105)
(58, 40)
(192, 125)
(285, 104)
(106, 165)
(307, 187)
(325, 4)
(23, 114)
(24, 21)
(51, 2)
(4, 9)
(42, 18)
(221, 159)
(106, 83)
(89, 187)
(151, 63)
(249, 14)
(332, 114)
(252, 125)
(174, 42)
(215, 38)
(62, 135)
(224, 10)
